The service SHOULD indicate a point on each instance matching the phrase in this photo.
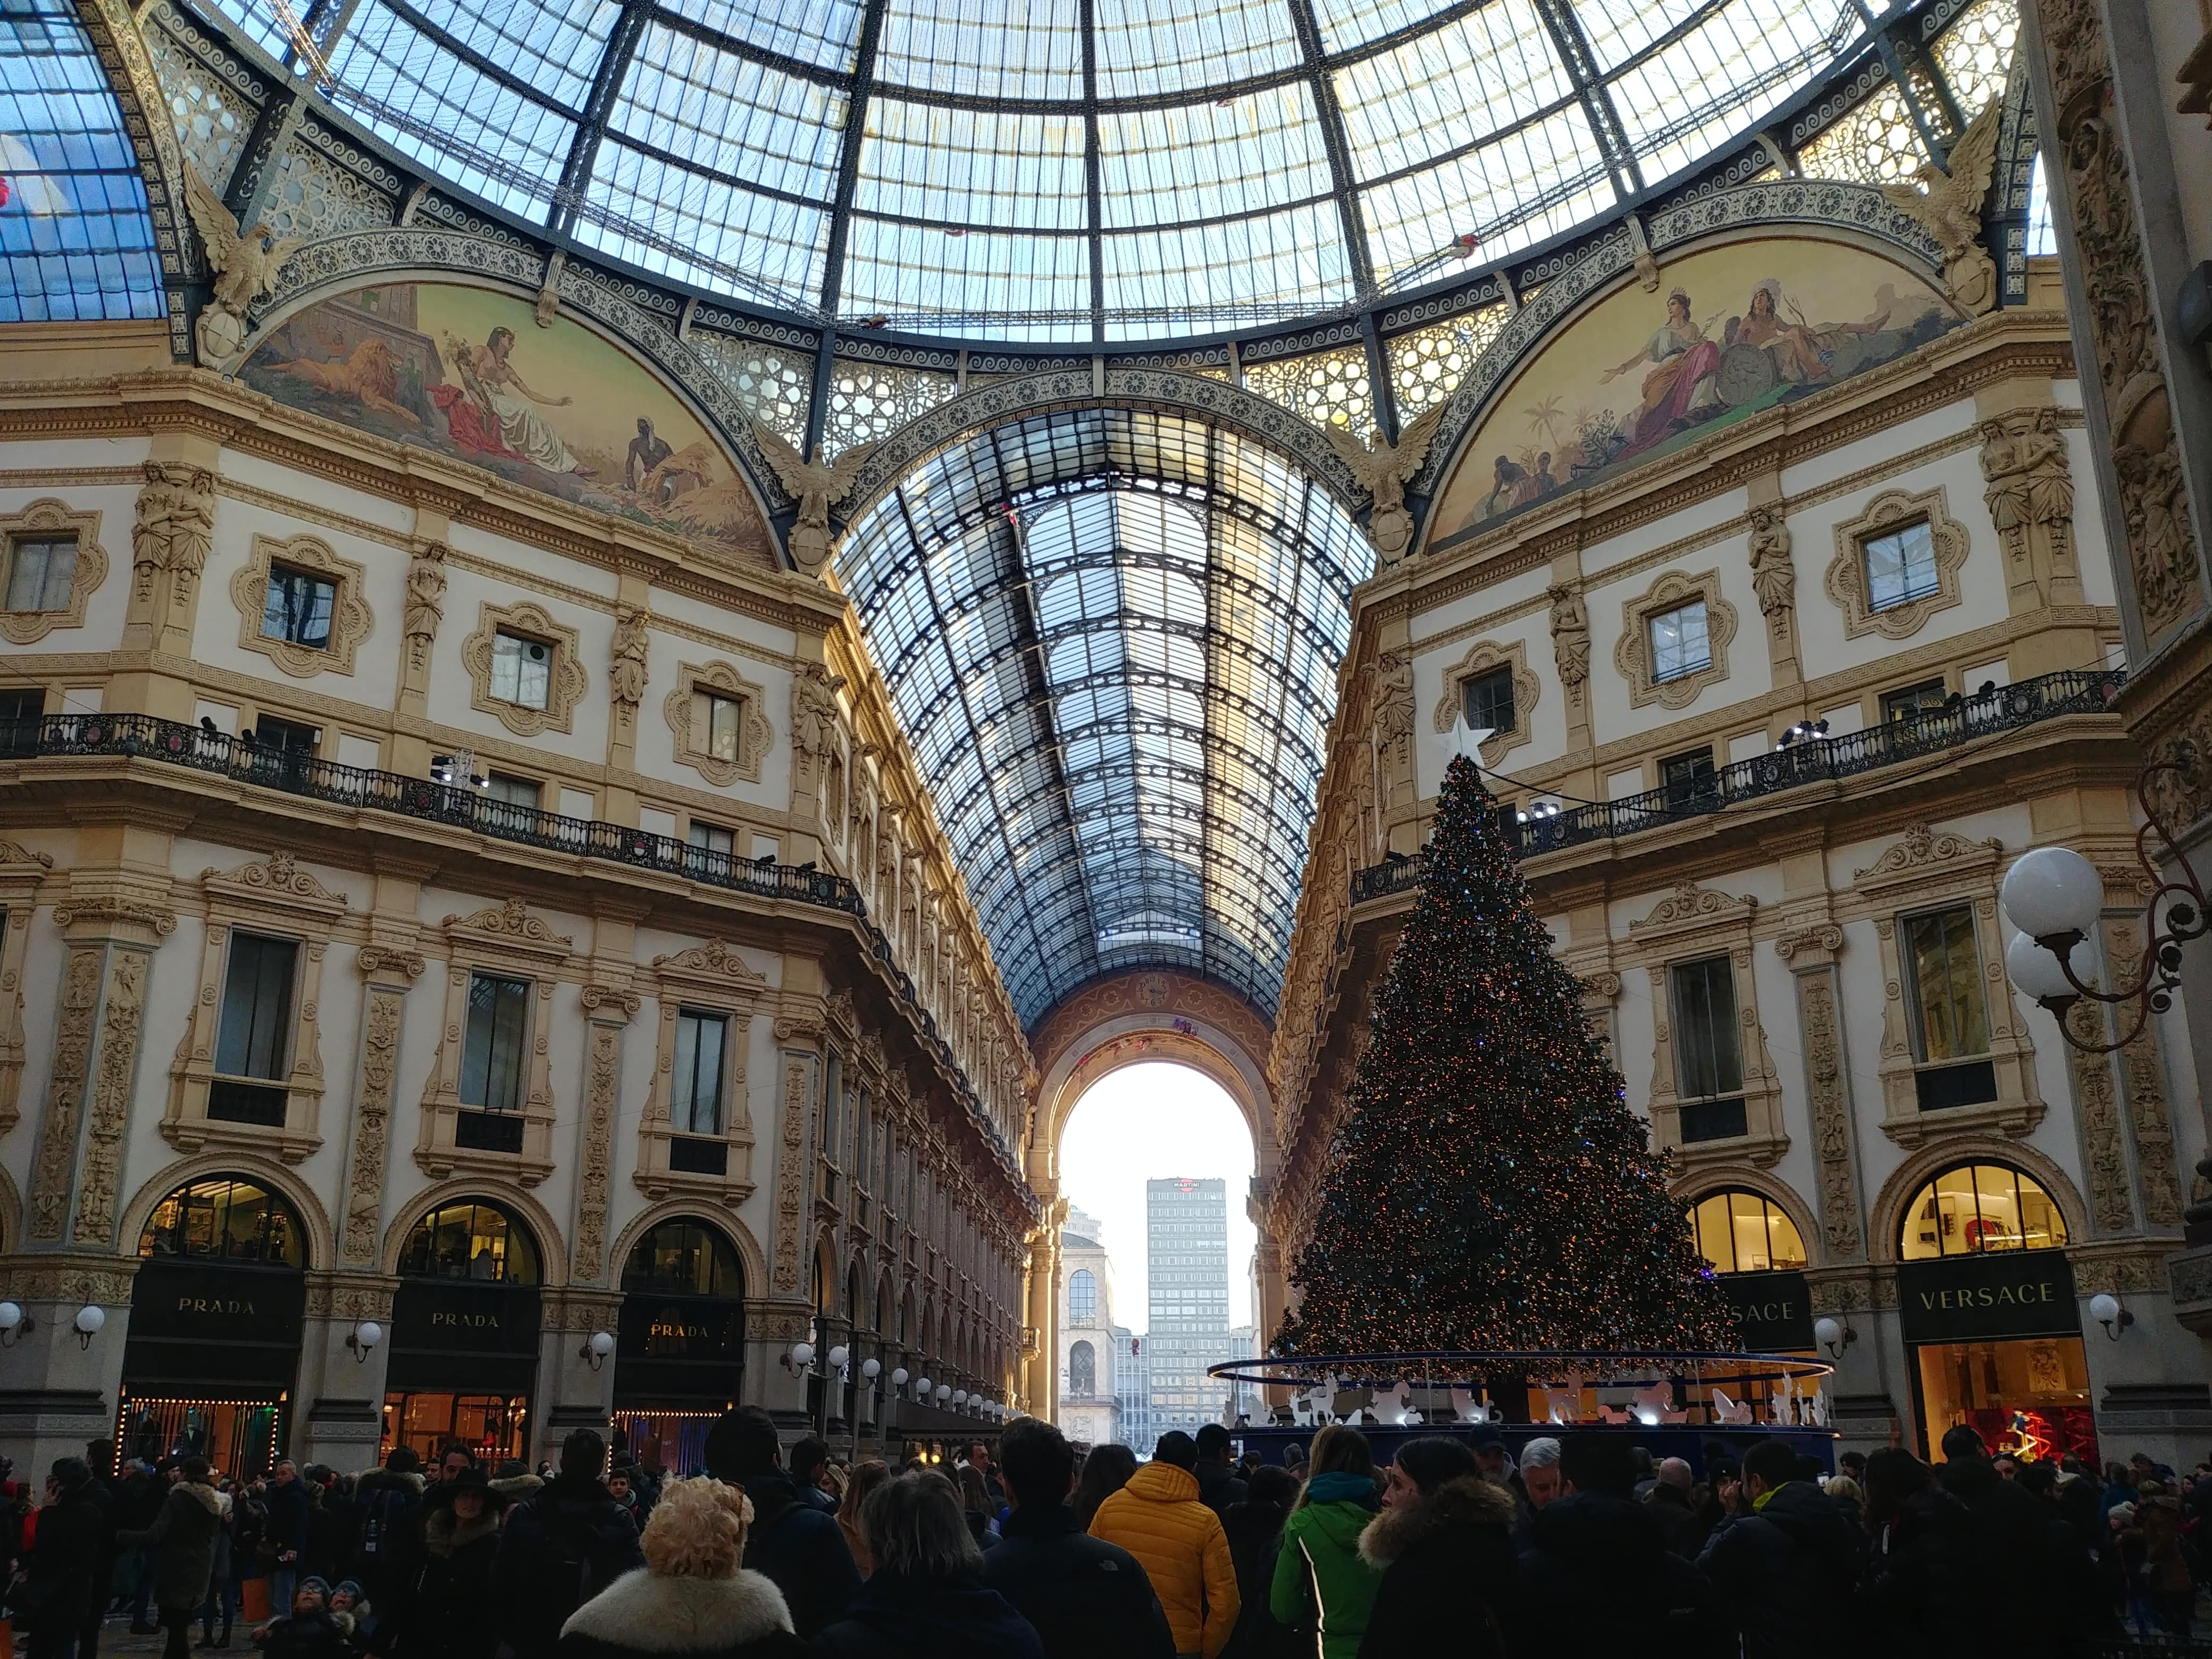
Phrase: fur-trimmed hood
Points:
(206, 1496)
(516, 1487)
(1470, 1501)
(444, 1532)
(645, 1613)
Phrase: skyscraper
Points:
(1186, 1282)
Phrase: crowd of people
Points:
(1583, 1545)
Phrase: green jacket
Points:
(1321, 1553)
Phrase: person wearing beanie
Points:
(802, 1549)
(563, 1546)
(694, 1598)
(309, 1631)
(450, 1614)
(183, 1539)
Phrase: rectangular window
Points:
(21, 714)
(1679, 642)
(273, 736)
(695, 1096)
(521, 670)
(513, 791)
(1707, 1052)
(1688, 780)
(298, 607)
(1923, 699)
(254, 1035)
(1900, 567)
(1487, 701)
(41, 572)
(1950, 1020)
(492, 1050)
(718, 723)
(712, 848)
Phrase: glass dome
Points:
(1058, 169)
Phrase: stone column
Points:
(608, 1011)
(574, 1391)
(342, 1384)
(59, 1391)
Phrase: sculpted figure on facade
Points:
(1383, 469)
(175, 526)
(426, 600)
(815, 715)
(1570, 636)
(1393, 715)
(627, 674)
(2030, 485)
(1773, 576)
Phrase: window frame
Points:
(1974, 1240)
(517, 1078)
(506, 941)
(20, 542)
(1660, 674)
(312, 559)
(283, 1014)
(1892, 708)
(686, 711)
(524, 645)
(566, 680)
(1847, 580)
(1916, 1004)
(1907, 590)
(281, 577)
(1771, 1214)
(703, 980)
(49, 518)
(1635, 652)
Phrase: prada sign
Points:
(680, 1327)
(1773, 1310)
(1976, 1298)
(460, 1316)
(206, 1323)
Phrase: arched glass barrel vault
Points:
(1112, 635)
(1062, 170)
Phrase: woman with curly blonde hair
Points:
(867, 1476)
(693, 1598)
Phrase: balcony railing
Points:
(172, 743)
(1816, 760)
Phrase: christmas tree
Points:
(1490, 1190)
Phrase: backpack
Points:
(572, 1551)
(383, 1524)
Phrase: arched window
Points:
(1082, 1369)
(225, 1218)
(1742, 1233)
(1082, 1298)
(470, 1239)
(1973, 1207)
(683, 1258)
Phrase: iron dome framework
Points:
(1112, 635)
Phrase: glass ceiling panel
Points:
(480, 127)
(705, 230)
(1410, 104)
(1508, 193)
(1148, 46)
(981, 169)
(1242, 155)
(76, 243)
(933, 46)
(554, 45)
(1120, 708)
(824, 33)
(1294, 256)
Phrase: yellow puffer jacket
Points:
(1157, 1518)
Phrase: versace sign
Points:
(1978, 1298)
(1774, 1310)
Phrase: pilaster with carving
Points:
(21, 872)
(2117, 312)
(1774, 580)
(1811, 952)
(425, 609)
(2143, 1078)
(110, 937)
(798, 1038)
(626, 681)
(608, 1011)
(387, 974)
(2029, 490)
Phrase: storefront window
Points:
(224, 1219)
(491, 1425)
(1742, 1233)
(2029, 1397)
(1975, 1207)
(469, 1240)
(683, 1258)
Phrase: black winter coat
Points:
(317, 1636)
(449, 1613)
(1448, 1574)
(2012, 1542)
(1218, 1486)
(558, 1551)
(896, 1618)
(288, 1506)
(1678, 1523)
(642, 1615)
(1919, 1583)
(65, 1577)
(1255, 1531)
(1087, 1598)
(1787, 1577)
(802, 1550)
(1599, 1571)
(385, 1551)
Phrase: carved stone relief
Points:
(52, 1177)
(1828, 1096)
(121, 1022)
(388, 973)
(2029, 490)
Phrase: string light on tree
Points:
(1490, 1189)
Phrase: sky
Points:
(1144, 1123)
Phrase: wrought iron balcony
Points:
(172, 743)
(1958, 722)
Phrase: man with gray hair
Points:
(927, 1594)
(1669, 1500)
(1541, 1485)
